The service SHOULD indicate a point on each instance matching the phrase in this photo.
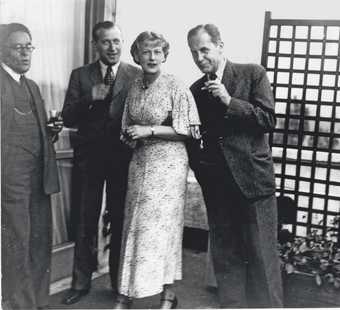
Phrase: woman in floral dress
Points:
(160, 113)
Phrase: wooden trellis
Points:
(302, 59)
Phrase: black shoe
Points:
(74, 296)
(122, 302)
(168, 303)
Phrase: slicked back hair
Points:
(210, 29)
(102, 25)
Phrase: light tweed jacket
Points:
(248, 119)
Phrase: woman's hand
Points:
(126, 140)
(195, 131)
(136, 132)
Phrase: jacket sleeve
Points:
(259, 112)
(76, 103)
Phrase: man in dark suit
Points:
(28, 177)
(234, 167)
(94, 105)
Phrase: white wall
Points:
(240, 21)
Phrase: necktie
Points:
(22, 80)
(212, 76)
(20, 107)
(109, 78)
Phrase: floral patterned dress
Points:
(151, 253)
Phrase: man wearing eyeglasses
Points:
(28, 176)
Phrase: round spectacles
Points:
(19, 48)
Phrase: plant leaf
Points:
(289, 268)
(318, 280)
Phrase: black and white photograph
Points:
(162, 154)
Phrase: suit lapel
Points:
(95, 73)
(228, 78)
(120, 79)
(38, 105)
(201, 82)
(7, 101)
(119, 91)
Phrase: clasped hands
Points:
(136, 132)
(217, 89)
(133, 133)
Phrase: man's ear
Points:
(2, 54)
(94, 44)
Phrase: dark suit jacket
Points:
(51, 182)
(249, 116)
(93, 119)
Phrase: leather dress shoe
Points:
(122, 302)
(169, 303)
(74, 296)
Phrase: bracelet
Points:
(152, 131)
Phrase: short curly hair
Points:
(148, 36)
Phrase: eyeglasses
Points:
(19, 48)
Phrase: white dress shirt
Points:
(221, 68)
(103, 68)
(16, 76)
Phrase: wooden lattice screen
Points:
(302, 59)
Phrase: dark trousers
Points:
(26, 233)
(90, 202)
(243, 236)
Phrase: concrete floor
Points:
(192, 291)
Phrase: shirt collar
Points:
(103, 68)
(16, 76)
(221, 68)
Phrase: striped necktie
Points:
(109, 78)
